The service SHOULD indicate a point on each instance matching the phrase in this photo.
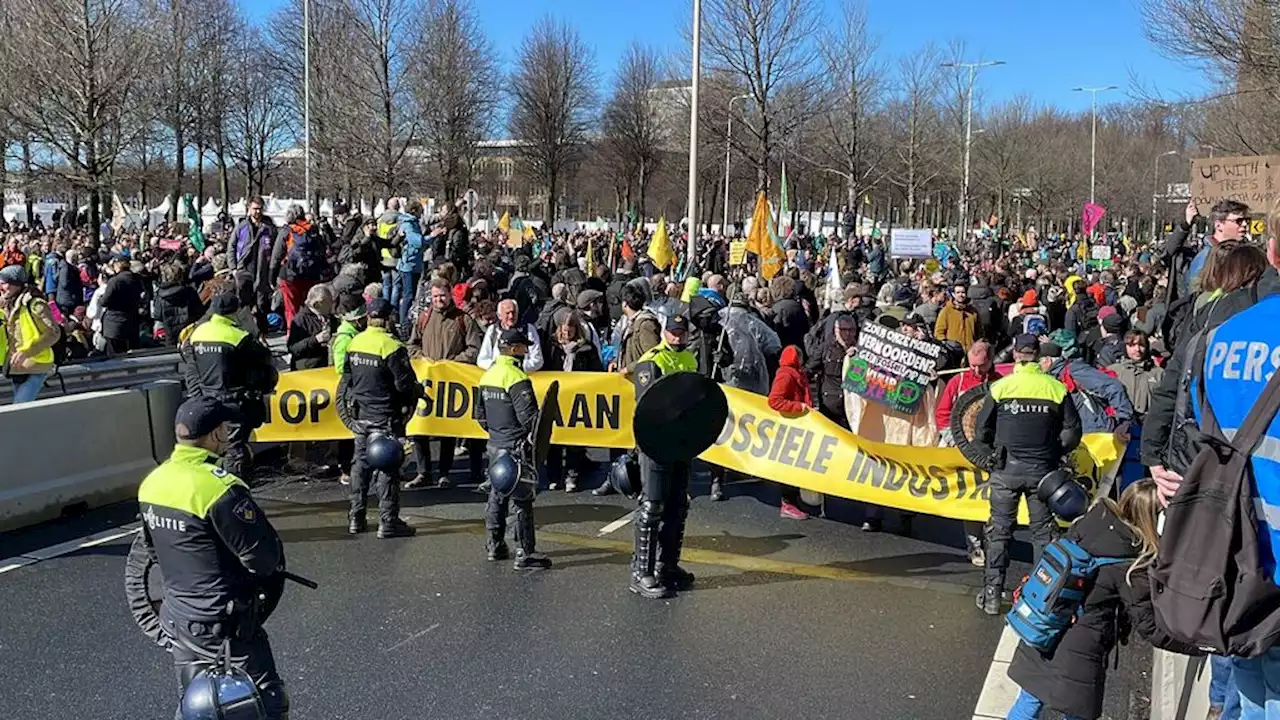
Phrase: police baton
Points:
(312, 584)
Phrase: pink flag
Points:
(1093, 212)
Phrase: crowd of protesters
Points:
(594, 301)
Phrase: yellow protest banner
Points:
(595, 410)
(737, 252)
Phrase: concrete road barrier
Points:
(76, 452)
(1179, 687)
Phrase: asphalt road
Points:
(789, 619)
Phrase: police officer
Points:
(382, 392)
(226, 363)
(1030, 422)
(215, 548)
(509, 413)
(664, 499)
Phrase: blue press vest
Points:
(1240, 357)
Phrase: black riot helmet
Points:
(504, 473)
(624, 475)
(222, 693)
(1063, 494)
(384, 453)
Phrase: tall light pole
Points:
(306, 102)
(728, 149)
(1093, 141)
(691, 248)
(973, 68)
(1155, 191)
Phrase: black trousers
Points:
(196, 646)
(664, 510)
(561, 459)
(1008, 486)
(499, 506)
(386, 485)
(448, 445)
(238, 460)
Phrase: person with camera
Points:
(378, 392)
(1030, 422)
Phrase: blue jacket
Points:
(411, 253)
(1242, 355)
(1093, 392)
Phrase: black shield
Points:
(964, 423)
(144, 589)
(679, 417)
(547, 415)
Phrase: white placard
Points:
(1100, 252)
(908, 243)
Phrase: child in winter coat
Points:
(1072, 679)
(790, 396)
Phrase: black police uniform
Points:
(215, 547)
(383, 391)
(226, 363)
(664, 499)
(508, 411)
(1031, 422)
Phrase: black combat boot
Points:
(644, 579)
(359, 523)
(395, 528)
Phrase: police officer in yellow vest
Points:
(224, 362)
(215, 548)
(508, 411)
(664, 499)
(381, 393)
(27, 334)
(1030, 422)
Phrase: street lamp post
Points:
(306, 101)
(728, 148)
(1093, 141)
(1155, 191)
(690, 250)
(973, 68)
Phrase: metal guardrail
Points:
(137, 368)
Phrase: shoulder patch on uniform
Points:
(246, 510)
(219, 472)
(642, 377)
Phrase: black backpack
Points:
(306, 256)
(1209, 586)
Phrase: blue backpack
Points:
(1035, 324)
(1052, 595)
(305, 256)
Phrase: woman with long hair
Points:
(1072, 679)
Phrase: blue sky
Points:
(1043, 41)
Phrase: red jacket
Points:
(790, 391)
(957, 386)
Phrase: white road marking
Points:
(108, 538)
(65, 548)
(998, 691)
(617, 524)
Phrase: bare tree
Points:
(854, 89)
(917, 125)
(633, 125)
(77, 66)
(766, 47)
(554, 92)
(457, 90)
(257, 121)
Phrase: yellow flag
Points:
(528, 233)
(660, 246)
(591, 257)
(505, 223)
(760, 242)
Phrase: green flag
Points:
(195, 233)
